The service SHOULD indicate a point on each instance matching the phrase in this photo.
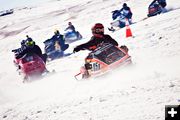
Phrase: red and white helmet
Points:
(98, 28)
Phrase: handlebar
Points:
(15, 50)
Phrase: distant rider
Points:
(59, 39)
(71, 27)
(161, 2)
(122, 14)
(126, 11)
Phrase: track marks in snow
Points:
(5, 34)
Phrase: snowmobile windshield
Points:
(69, 30)
(109, 55)
(48, 41)
(28, 57)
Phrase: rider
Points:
(30, 47)
(126, 11)
(123, 14)
(23, 43)
(98, 38)
(161, 2)
(71, 27)
(59, 39)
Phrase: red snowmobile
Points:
(30, 65)
(103, 59)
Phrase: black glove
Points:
(76, 49)
(124, 48)
(15, 50)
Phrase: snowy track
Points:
(138, 92)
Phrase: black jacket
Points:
(59, 38)
(129, 14)
(71, 27)
(31, 50)
(94, 42)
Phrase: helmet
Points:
(56, 32)
(29, 43)
(124, 5)
(98, 28)
(23, 42)
(28, 38)
(69, 23)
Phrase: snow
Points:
(138, 92)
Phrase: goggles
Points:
(99, 30)
(30, 43)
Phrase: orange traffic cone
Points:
(128, 30)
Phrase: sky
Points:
(8, 4)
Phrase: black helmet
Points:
(98, 28)
(56, 32)
(28, 38)
(69, 23)
(124, 5)
(23, 42)
(29, 42)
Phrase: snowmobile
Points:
(6, 12)
(30, 66)
(52, 52)
(71, 36)
(106, 57)
(119, 20)
(154, 9)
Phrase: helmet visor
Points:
(30, 43)
(99, 30)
